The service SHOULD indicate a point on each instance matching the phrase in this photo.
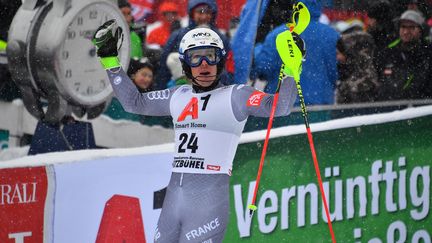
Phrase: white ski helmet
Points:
(200, 38)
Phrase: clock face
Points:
(78, 67)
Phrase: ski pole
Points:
(252, 206)
(281, 43)
(292, 56)
(314, 157)
(303, 19)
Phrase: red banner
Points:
(23, 192)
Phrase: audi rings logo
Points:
(159, 94)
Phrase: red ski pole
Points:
(302, 15)
(252, 206)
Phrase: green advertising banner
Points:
(376, 178)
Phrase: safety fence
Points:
(18, 123)
(107, 132)
(376, 178)
(375, 168)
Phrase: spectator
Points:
(170, 22)
(8, 10)
(175, 67)
(381, 23)
(404, 67)
(276, 13)
(319, 69)
(201, 13)
(8, 89)
(136, 41)
(142, 10)
(423, 6)
(358, 79)
(233, 27)
(142, 76)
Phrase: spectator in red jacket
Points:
(159, 36)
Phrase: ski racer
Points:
(208, 120)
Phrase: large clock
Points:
(53, 61)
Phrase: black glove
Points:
(107, 43)
(292, 51)
(300, 43)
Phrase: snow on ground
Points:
(12, 153)
(69, 156)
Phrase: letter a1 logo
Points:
(191, 109)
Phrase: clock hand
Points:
(92, 52)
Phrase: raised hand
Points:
(108, 39)
(292, 50)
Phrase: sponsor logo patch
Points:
(203, 230)
(159, 94)
(188, 162)
(201, 34)
(255, 98)
(117, 80)
(213, 167)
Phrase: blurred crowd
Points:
(388, 57)
(379, 51)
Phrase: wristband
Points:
(110, 62)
